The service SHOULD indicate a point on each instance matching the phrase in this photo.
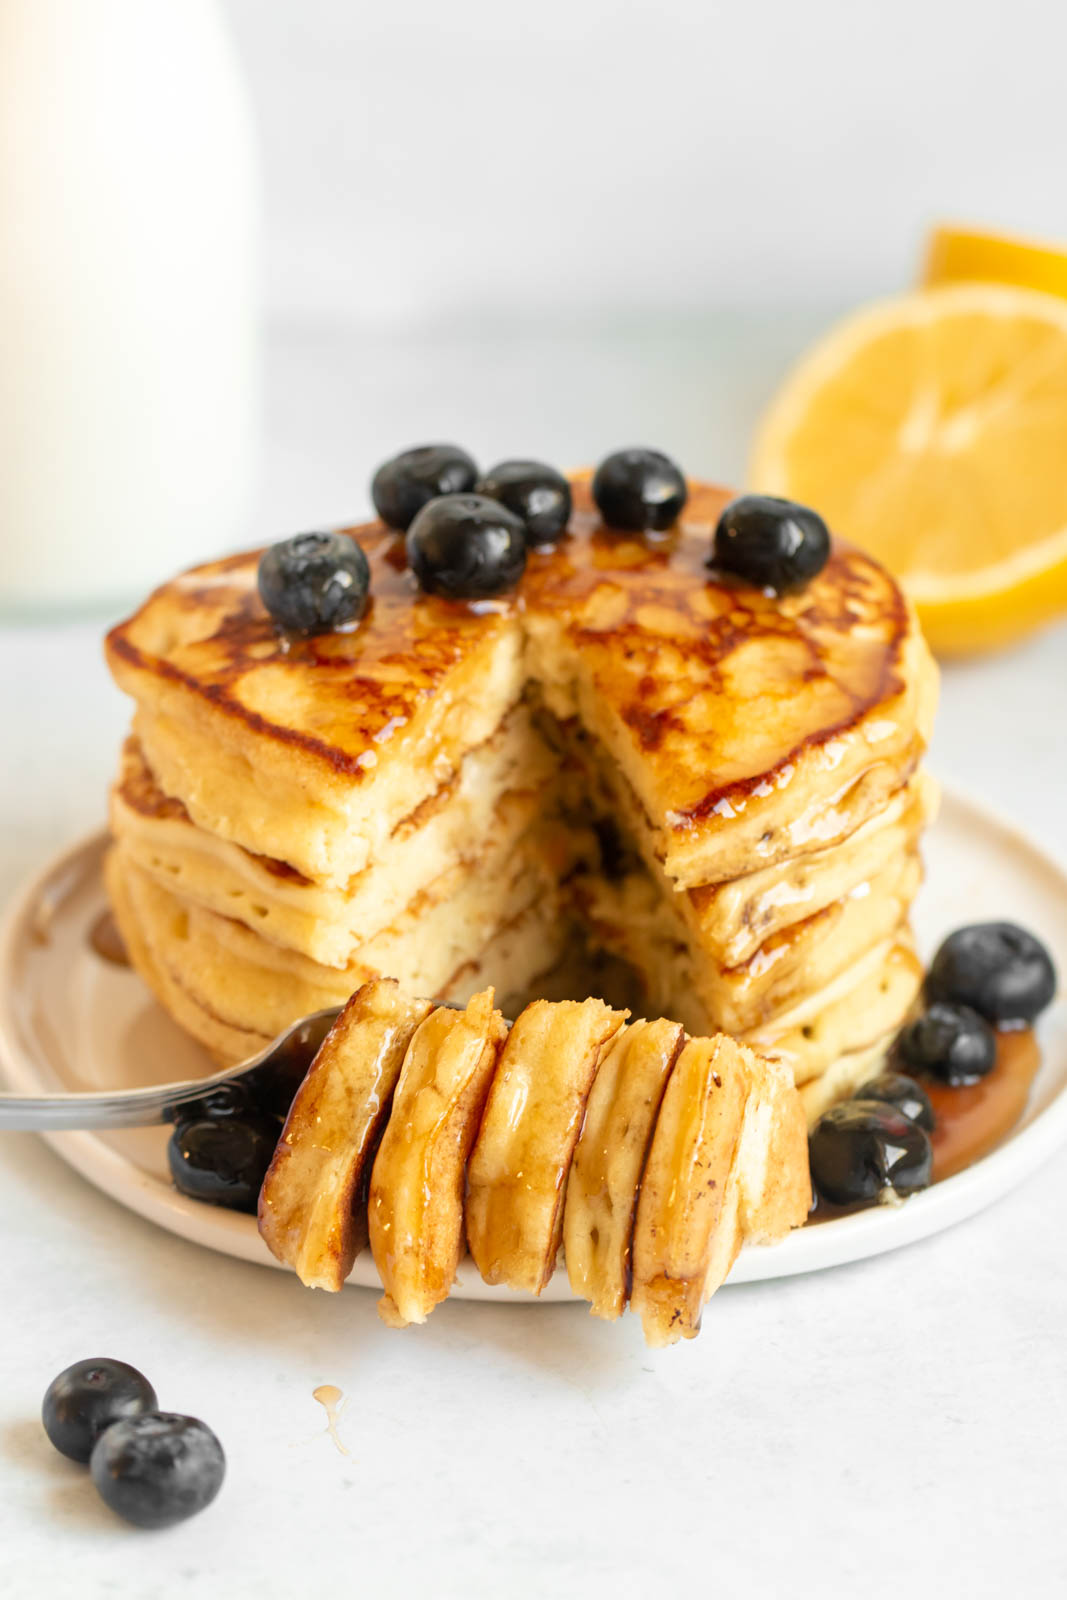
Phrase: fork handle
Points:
(99, 1109)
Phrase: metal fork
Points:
(275, 1072)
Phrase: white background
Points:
(430, 158)
(555, 229)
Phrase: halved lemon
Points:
(972, 255)
(931, 429)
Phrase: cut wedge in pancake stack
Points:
(652, 1158)
(628, 756)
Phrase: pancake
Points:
(728, 1161)
(633, 918)
(847, 1074)
(517, 1180)
(609, 1158)
(415, 1207)
(309, 1210)
(749, 728)
(649, 1151)
(733, 919)
(224, 1038)
(472, 822)
(874, 1004)
(235, 990)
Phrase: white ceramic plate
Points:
(70, 1020)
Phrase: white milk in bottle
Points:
(128, 298)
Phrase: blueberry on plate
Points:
(952, 1043)
(639, 489)
(314, 582)
(896, 1089)
(401, 487)
(538, 494)
(996, 968)
(770, 543)
(861, 1148)
(467, 547)
(87, 1398)
(158, 1469)
(222, 1162)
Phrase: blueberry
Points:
(951, 1043)
(861, 1148)
(87, 1398)
(314, 582)
(909, 1097)
(222, 1162)
(158, 1469)
(540, 495)
(467, 547)
(772, 544)
(639, 489)
(410, 480)
(998, 969)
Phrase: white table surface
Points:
(895, 1427)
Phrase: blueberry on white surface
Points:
(88, 1397)
(158, 1469)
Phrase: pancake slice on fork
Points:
(620, 1116)
(308, 1206)
(519, 1165)
(727, 1163)
(415, 1211)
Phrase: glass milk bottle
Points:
(128, 314)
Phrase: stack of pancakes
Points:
(716, 787)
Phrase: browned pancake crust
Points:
(667, 643)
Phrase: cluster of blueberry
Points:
(467, 536)
(152, 1467)
(987, 975)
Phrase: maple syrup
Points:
(973, 1119)
(107, 941)
(331, 1400)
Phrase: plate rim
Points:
(839, 1242)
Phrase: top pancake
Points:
(744, 728)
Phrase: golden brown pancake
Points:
(609, 1158)
(309, 1204)
(415, 1209)
(519, 1165)
(749, 727)
(728, 1161)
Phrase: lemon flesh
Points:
(931, 429)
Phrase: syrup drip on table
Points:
(107, 941)
(974, 1119)
(331, 1400)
